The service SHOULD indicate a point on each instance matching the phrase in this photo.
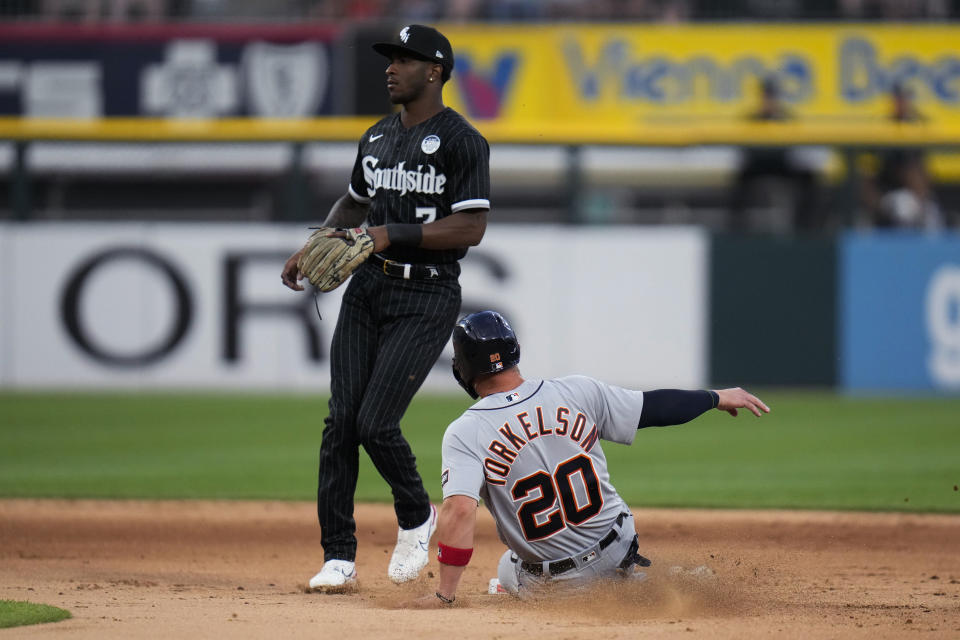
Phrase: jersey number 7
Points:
(549, 487)
(426, 214)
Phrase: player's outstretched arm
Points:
(455, 531)
(666, 407)
(737, 398)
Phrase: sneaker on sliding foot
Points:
(495, 588)
(413, 550)
(336, 575)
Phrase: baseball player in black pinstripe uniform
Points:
(421, 185)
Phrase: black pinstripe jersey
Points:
(421, 174)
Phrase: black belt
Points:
(560, 566)
(414, 271)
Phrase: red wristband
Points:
(453, 556)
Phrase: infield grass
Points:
(16, 613)
(815, 451)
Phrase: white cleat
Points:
(336, 575)
(413, 550)
(495, 588)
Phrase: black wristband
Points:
(444, 599)
(715, 396)
(405, 235)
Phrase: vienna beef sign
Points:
(640, 74)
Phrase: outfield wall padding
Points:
(772, 311)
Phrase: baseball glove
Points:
(328, 260)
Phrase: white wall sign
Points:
(63, 90)
(943, 326)
(189, 83)
(285, 81)
(188, 306)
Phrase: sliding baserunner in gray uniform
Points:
(531, 450)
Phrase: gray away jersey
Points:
(533, 455)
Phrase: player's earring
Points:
(431, 78)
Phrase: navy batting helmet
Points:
(483, 342)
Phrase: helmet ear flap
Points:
(463, 383)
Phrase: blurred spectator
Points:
(18, 8)
(894, 9)
(365, 9)
(764, 9)
(771, 168)
(104, 10)
(496, 10)
(354, 10)
(418, 10)
(461, 10)
(900, 194)
(516, 9)
(673, 10)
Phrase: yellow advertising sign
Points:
(676, 76)
(644, 85)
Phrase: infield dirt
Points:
(129, 569)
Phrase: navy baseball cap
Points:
(423, 42)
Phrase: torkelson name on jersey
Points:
(401, 179)
(562, 427)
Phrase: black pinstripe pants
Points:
(389, 334)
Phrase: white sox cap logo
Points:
(423, 42)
